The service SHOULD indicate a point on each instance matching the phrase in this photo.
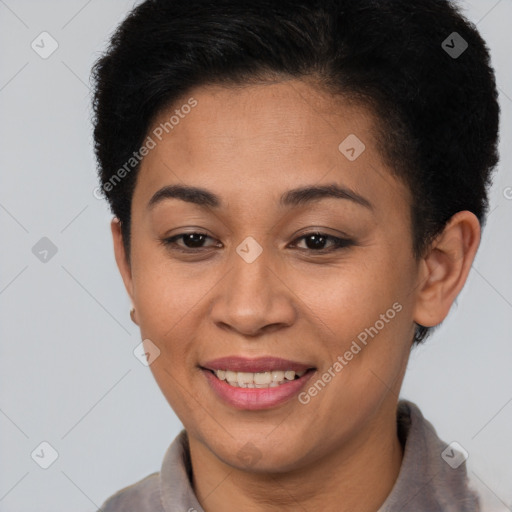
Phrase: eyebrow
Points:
(291, 198)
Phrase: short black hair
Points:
(435, 100)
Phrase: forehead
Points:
(246, 141)
(276, 116)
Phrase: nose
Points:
(253, 299)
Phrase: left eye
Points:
(315, 242)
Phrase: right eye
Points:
(193, 241)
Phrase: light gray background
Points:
(67, 372)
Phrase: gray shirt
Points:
(432, 476)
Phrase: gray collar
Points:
(427, 482)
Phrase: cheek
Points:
(166, 304)
(352, 296)
(364, 314)
(164, 291)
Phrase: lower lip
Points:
(256, 398)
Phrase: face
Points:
(258, 272)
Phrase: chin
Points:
(262, 454)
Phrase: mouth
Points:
(258, 380)
(256, 383)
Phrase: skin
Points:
(340, 451)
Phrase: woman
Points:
(298, 190)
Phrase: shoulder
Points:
(433, 474)
(143, 496)
(160, 491)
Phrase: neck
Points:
(356, 477)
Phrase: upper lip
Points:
(255, 365)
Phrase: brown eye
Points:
(316, 242)
(190, 241)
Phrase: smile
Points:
(256, 390)
(260, 380)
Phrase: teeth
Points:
(277, 376)
(261, 379)
(257, 380)
(245, 378)
(230, 376)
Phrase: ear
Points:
(445, 268)
(121, 258)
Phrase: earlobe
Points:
(121, 257)
(445, 268)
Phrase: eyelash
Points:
(338, 243)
